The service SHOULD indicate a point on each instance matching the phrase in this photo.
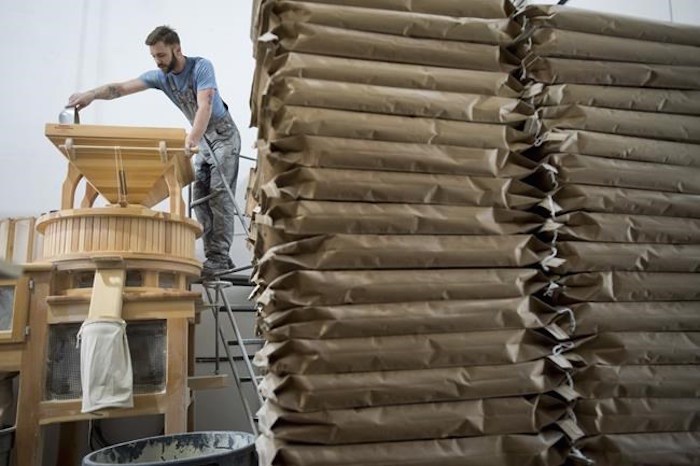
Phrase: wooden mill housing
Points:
(123, 260)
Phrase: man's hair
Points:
(164, 34)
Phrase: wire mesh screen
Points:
(7, 303)
(147, 346)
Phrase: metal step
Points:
(247, 341)
(234, 279)
(258, 378)
(212, 359)
(250, 309)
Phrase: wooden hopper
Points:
(126, 165)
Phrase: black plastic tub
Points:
(191, 449)
(7, 440)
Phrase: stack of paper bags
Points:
(396, 262)
(620, 117)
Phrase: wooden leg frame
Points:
(34, 411)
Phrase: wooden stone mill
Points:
(120, 262)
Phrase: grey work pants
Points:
(217, 215)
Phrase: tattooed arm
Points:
(111, 91)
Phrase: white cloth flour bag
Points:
(105, 365)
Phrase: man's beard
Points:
(170, 66)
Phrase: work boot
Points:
(212, 268)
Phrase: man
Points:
(190, 83)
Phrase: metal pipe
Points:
(228, 188)
(244, 352)
(237, 378)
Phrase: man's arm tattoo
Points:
(113, 92)
(107, 92)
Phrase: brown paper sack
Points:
(623, 147)
(314, 151)
(572, 197)
(603, 171)
(606, 24)
(265, 237)
(271, 69)
(612, 73)
(400, 75)
(366, 98)
(642, 348)
(664, 381)
(548, 42)
(323, 217)
(618, 228)
(315, 392)
(410, 188)
(493, 416)
(405, 352)
(449, 159)
(630, 286)
(545, 449)
(623, 98)
(314, 288)
(293, 120)
(631, 415)
(593, 257)
(657, 316)
(473, 8)
(346, 321)
(346, 252)
(680, 128)
(409, 24)
(649, 449)
(324, 40)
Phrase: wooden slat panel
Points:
(89, 222)
(76, 232)
(70, 235)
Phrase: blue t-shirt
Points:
(182, 87)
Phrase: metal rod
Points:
(216, 340)
(234, 370)
(204, 199)
(228, 188)
(244, 352)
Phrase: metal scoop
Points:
(69, 116)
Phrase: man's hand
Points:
(81, 100)
(191, 144)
